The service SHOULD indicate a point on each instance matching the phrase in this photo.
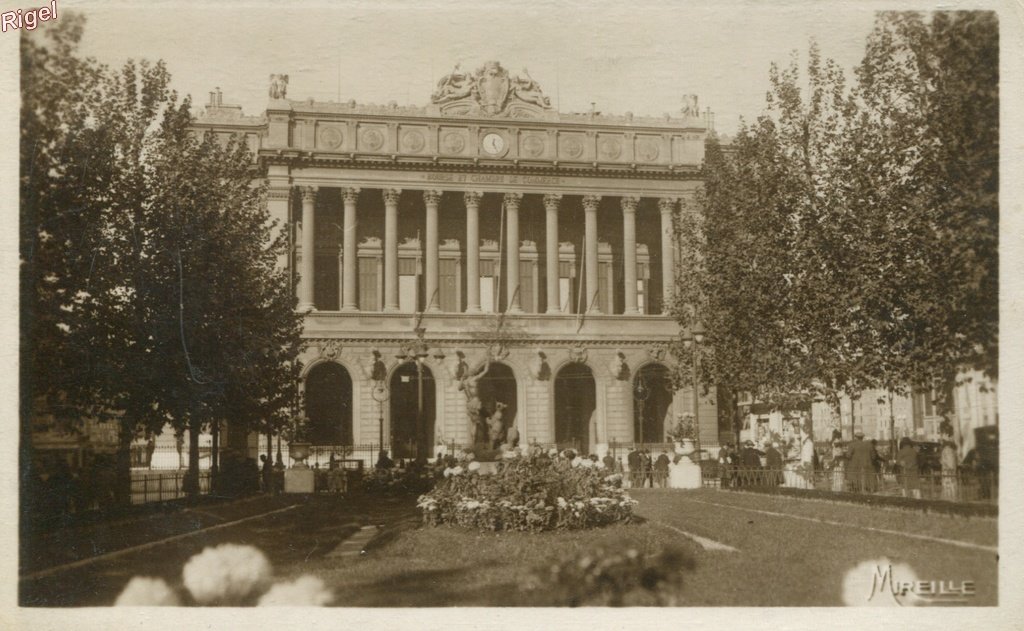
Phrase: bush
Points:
(611, 578)
(528, 493)
(397, 481)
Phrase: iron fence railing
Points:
(955, 487)
(160, 486)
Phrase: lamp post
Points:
(692, 340)
(379, 374)
(640, 394)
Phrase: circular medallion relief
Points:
(572, 147)
(372, 139)
(647, 150)
(453, 143)
(413, 142)
(330, 137)
(533, 146)
(611, 148)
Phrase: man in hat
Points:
(750, 464)
(859, 465)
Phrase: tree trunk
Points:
(192, 476)
(123, 464)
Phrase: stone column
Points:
(629, 252)
(667, 206)
(512, 201)
(472, 251)
(432, 199)
(341, 276)
(590, 203)
(349, 300)
(279, 205)
(308, 249)
(391, 196)
(551, 203)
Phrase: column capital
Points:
(629, 204)
(350, 194)
(590, 202)
(432, 197)
(667, 204)
(391, 195)
(308, 193)
(512, 200)
(473, 198)
(552, 201)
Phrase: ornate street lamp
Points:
(693, 339)
(379, 392)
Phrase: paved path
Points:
(305, 529)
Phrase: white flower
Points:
(510, 455)
(227, 574)
(552, 452)
(143, 591)
(305, 591)
(474, 466)
(562, 503)
(448, 472)
(457, 470)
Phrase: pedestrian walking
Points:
(774, 462)
(906, 460)
(635, 474)
(859, 467)
(661, 469)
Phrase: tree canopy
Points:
(150, 273)
(847, 239)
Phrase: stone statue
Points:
(453, 87)
(469, 384)
(278, 86)
(690, 108)
(618, 367)
(512, 436)
(526, 89)
(496, 425)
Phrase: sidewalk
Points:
(96, 538)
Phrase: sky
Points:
(640, 57)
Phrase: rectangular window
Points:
(604, 294)
(325, 285)
(369, 278)
(526, 296)
(566, 294)
(448, 285)
(487, 287)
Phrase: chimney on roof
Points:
(213, 98)
(220, 97)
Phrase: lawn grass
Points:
(451, 566)
(779, 561)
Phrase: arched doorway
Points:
(652, 400)
(498, 385)
(575, 405)
(329, 404)
(412, 411)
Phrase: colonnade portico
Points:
(409, 226)
(553, 204)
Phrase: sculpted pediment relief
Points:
(490, 91)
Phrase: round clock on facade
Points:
(494, 144)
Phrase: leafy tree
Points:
(149, 257)
(848, 240)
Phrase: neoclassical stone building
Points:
(485, 244)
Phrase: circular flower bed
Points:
(531, 492)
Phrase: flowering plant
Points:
(615, 577)
(531, 492)
(226, 575)
(684, 429)
(296, 430)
